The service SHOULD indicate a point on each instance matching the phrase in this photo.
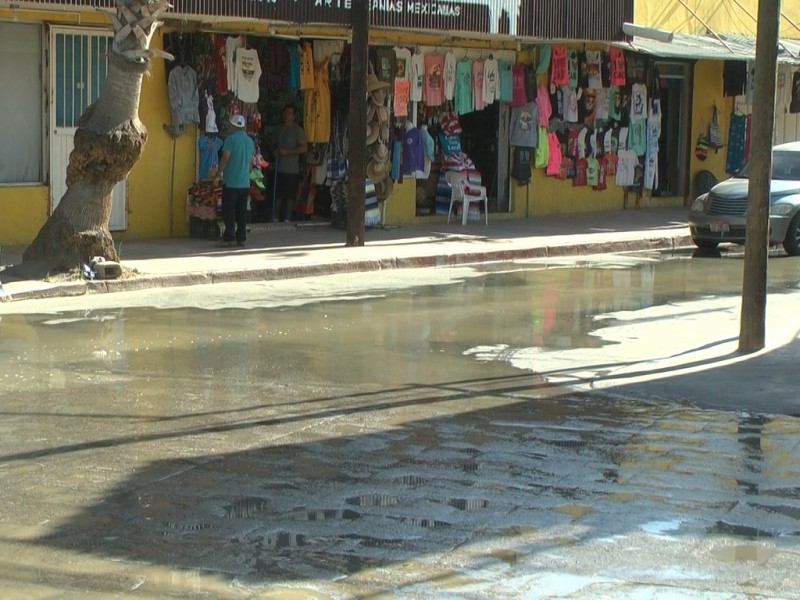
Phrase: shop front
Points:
(454, 87)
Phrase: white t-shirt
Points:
(570, 98)
(626, 167)
(403, 58)
(231, 44)
(638, 101)
(449, 75)
(491, 80)
(417, 76)
(248, 72)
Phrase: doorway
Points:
(78, 68)
(673, 159)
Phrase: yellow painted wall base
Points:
(24, 210)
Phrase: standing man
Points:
(234, 168)
(289, 142)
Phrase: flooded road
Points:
(442, 433)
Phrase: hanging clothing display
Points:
(491, 81)
(433, 87)
(247, 75)
(524, 130)
(518, 95)
(449, 75)
(317, 107)
(402, 57)
(417, 76)
(463, 91)
(735, 158)
(478, 67)
(231, 45)
(183, 96)
(306, 66)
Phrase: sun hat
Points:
(373, 130)
(383, 114)
(383, 188)
(238, 121)
(384, 135)
(380, 153)
(373, 83)
(377, 170)
(371, 108)
(378, 96)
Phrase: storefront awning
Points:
(726, 47)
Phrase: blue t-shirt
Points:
(241, 149)
(209, 145)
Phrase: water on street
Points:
(528, 430)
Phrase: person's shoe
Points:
(240, 244)
(226, 244)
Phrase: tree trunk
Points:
(108, 142)
(356, 176)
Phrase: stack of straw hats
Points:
(379, 165)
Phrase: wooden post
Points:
(357, 144)
(756, 253)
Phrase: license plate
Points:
(719, 227)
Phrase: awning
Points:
(694, 46)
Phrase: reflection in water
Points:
(352, 447)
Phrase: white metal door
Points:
(77, 73)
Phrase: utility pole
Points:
(754, 284)
(357, 142)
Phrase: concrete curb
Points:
(149, 281)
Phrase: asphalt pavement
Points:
(280, 251)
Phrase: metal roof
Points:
(695, 46)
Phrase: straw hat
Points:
(383, 114)
(378, 170)
(383, 188)
(384, 134)
(373, 83)
(378, 96)
(373, 131)
(371, 108)
(380, 153)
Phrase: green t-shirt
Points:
(241, 149)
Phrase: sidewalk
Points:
(278, 251)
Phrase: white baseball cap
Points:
(238, 121)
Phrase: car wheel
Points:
(705, 244)
(792, 242)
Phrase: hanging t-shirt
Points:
(601, 102)
(306, 66)
(610, 160)
(231, 44)
(317, 107)
(402, 59)
(211, 115)
(463, 91)
(572, 67)
(559, 71)
(220, 64)
(491, 81)
(449, 75)
(248, 73)
(385, 64)
(413, 151)
(638, 101)
(293, 82)
(601, 175)
(626, 167)
(543, 102)
(402, 94)
(433, 88)
(521, 167)
(477, 85)
(570, 104)
(417, 76)
(518, 95)
(542, 155)
(506, 86)
(524, 130)
(617, 66)
(544, 59)
(592, 171)
(594, 77)
(581, 167)
(209, 146)
(554, 154)
(637, 136)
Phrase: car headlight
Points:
(699, 205)
(780, 209)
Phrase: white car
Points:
(721, 214)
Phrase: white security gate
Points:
(78, 66)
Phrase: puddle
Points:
(661, 527)
(328, 515)
(468, 503)
(741, 530)
(744, 553)
(245, 508)
(373, 500)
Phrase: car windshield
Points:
(785, 167)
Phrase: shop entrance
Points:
(672, 146)
(77, 74)
(481, 141)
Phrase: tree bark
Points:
(109, 140)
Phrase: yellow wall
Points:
(707, 92)
(24, 210)
(720, 16)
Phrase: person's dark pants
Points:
(286, 193)
(234, 213)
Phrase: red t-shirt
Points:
(559, 73)
(580, 172)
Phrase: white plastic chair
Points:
(465, 192)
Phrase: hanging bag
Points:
(306, 191)
(714, 131)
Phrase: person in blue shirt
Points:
(234, 170)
